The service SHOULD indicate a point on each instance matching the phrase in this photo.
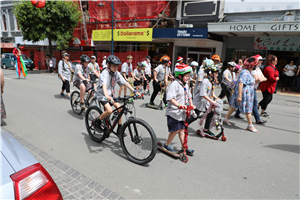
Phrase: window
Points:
(25, 57)
(7, 56)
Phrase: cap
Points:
(93, 57)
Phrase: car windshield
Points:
(25, 57)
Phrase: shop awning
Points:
(253, 29)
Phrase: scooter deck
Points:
(223, 137)
(160, 147)
(152, 106)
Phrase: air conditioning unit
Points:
(186, 26)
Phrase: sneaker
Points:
(69, 98)
(82, 106)
(209, 133)
(119, 130)
(265, 114)
(98, 124)
(261, 121)
(190, 152)
(169, 148)
(62, 94)
(152, 104)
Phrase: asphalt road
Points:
(248, 165)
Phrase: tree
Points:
(56, 21)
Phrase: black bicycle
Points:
(89, 99)
(137, 138)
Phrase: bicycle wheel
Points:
(75, 102)
(140, 144)
(96, 134)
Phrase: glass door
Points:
(198, 56)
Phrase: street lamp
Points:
(112, 22)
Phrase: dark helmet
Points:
(148, 57)
(84, 58)
(112, 59)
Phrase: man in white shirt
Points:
(104, 62)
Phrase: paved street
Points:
(248, 165)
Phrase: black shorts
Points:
(93, 77)
(174, 125)
(126, 77)
(137, 83)
(106, 102)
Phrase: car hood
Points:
(6, 183)
(15, 153)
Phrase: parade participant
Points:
(81, 78)
(104, 62)
(160, 75)
(243, 94)
(93, 70)
(179, 60)
(139, 75)
(64, 73)
(217, 62)
(178, 96)
(20, 64)
(193, 75)
(204, 95)
(107, 87)
(147, 71)
(226, 81)
(126, 72)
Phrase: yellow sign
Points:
(138, 34)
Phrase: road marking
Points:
(7, 78)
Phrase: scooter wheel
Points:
(224, 139)
(184, 158)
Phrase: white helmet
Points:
(194, 63)
(232, 64)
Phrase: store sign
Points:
(255, 27)
(138, 34)
(277, 43)
(7, 45)
(196, 33)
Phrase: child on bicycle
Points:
(81, 78)
(139, 75)
(106, 89)
(178, 96)
(204, 95)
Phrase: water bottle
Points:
(115, 115)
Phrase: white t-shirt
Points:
(104, 64)
(162, 72)
(50, 63)
(127, 68)
(176, 92)
(138, 73)
(227, 74)
(290, 73)
(147, 68)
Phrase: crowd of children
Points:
(192, 86)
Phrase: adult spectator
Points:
(289, 74)
(47, 59)
(54, 62)
(3, 111)
(64, 73)
(104, 62)
(240, 62)
(242, 97)
(298, 79)
(268, 87)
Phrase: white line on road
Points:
(7, 78)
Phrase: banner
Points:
(137, 34)
(277, 43)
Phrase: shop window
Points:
(4, 22)
(235, 54)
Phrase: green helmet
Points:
(182, 69)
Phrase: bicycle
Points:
(137, 138)
(90, 99)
